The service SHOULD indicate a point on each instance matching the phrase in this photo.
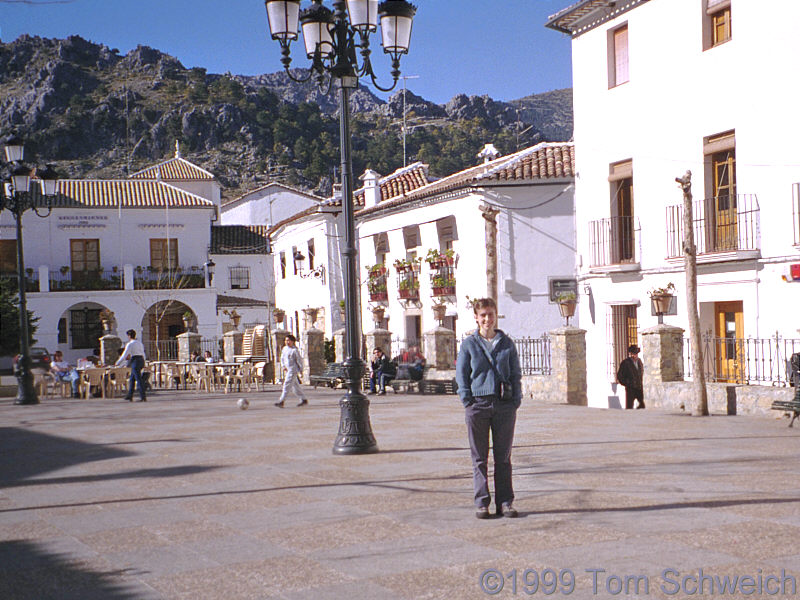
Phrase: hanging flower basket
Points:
(567, 308)
(377, 314)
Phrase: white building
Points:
(130, 246)
(666, 86)
(408, 218)
(267, 205)
(243, 276)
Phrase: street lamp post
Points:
(332, 40)
(18, 198)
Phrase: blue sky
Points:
(495, 47)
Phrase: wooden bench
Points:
(333, 376)
(790, 406)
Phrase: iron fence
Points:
(65, 281)
(721, 224)
(746, 361)
(168, 349)
(31, 279)
(534, 355)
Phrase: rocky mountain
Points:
(95, 113)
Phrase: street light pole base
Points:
(26, 393)
(355, 431)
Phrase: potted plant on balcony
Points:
(567, 301)
(377, 291)
(662, 297)
(405, 265)
(443, 285)
(375, 271)
(409, 288)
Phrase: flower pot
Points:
(439, 311)
(407, 294)
(379, 296)
(377, 314)
(279, 315)
(567, 308)
(661, 303)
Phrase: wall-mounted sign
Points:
(74, 221)
(561, 286)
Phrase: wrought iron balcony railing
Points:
(68, 281)
(614, 241)
(31, 279)
(721, 224)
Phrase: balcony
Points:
(725, 228)
(614, 244)
(69, 281)
(31, 279)
(180, 278)
(443, 281)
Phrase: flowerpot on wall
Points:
(439, 311)
(377, 314)
(279, 315)
(661, 303)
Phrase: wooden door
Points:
(729, 348)
(726, 233)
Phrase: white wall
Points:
(265, 207)
(677, 94)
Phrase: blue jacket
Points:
(474, 373)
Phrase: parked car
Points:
(40, 359)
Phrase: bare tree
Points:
(157, 295)
(690, 264)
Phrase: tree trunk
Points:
(690, 264)
(490, 214)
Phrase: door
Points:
(84, 260)
(726, 232)
(729, 346)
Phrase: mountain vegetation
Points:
(94, 113)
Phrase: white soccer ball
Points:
(243, 403)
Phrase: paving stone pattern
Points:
(186, 496)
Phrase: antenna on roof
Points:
(404, 77)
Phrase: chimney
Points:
(372, 191)
(488, 153)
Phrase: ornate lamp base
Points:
(355, 431)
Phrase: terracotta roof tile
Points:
(239, 239)
(174, 169)
(127, 193)
(548, 160)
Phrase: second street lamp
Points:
(18, 198)
(332, 41)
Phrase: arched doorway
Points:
(161, 325)
(80, 330)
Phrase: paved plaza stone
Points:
(186, 496)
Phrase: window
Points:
(381, 242)
(85, 327)
(62, 331)
(162, 259)
(618, 56)
(84, 256)
(283, 264)
(623, 331)
(310, 255)
(716, 23)
(240, 278)
(622, 225)
(8, 256)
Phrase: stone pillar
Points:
(662, 354)
(109, 349)
(313, 350)
(278, 336)
(439, 349)
(231, 345)
(568, 362)
(187, 343)
(127, 276)
(338, 342)
(377, 338)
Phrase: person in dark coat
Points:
(383, 371)
(630, 373)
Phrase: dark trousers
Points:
(486, 414)
(631, 394)
(136, 364)
(382, 379)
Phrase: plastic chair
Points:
(118, 380)
(92, 378)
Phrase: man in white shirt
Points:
(134, 355)
(292, 362)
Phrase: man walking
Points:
(292, 363)
(630, 373)
(134, 354)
